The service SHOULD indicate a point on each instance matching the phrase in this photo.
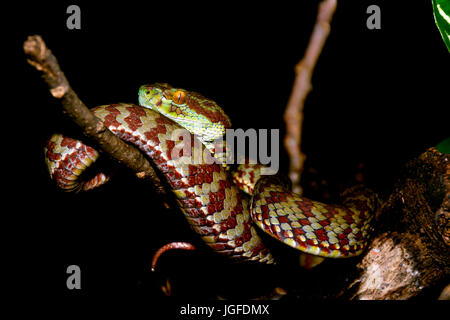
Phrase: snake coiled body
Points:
(208, 194)
(214, 207)
(330, 231)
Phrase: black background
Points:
(377, 98)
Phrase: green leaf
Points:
(444, 146)
(441, 10)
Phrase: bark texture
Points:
(411, 252)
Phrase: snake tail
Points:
(168, 247)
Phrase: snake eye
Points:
(179, 97)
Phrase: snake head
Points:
(199, 115)
(163, 98)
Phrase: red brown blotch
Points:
(50, 154)
(246, 235)
(326, 250)
(211, 208)
(265, 209)
(208, 177)
(170, 145)
(68, 142)
(305, 222)
(219, 206)
(191, 181)
(308, 213)
(110, 119)
(320, 233)
(134, 118)
(274, 230)
(257, 248)
(349, 219)
(192, 170)
(152, 134)
(231, 223)
(324, 223)
(221, 195)
(212, 197)
(283, 219)
(199, 179)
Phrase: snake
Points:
(224, 207)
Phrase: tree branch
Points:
(411, 251)
(40, 57)
(293, 115)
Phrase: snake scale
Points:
(212, 197)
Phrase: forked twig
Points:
(40, 57)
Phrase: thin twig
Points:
(293, 115)
(40, 57)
